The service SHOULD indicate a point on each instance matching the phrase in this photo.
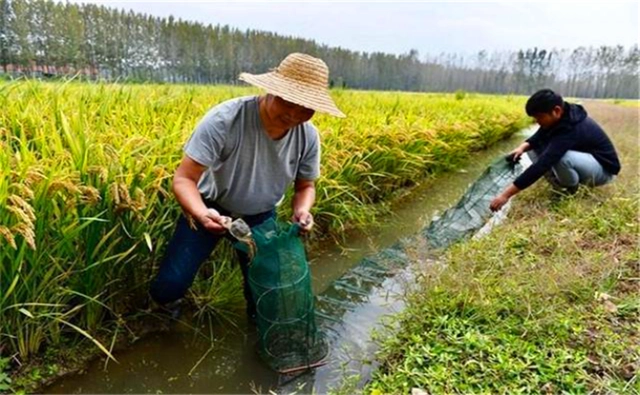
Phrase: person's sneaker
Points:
(172, 309)
(551, 179)
(563, 192)
(572, 190)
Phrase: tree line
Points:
(42, 38)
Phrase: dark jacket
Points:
(574, 131)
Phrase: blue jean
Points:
(577, 167)
(186, 252)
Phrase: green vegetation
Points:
(549, 302)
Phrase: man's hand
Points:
(304, 219)
(498, 202)
(516, 153)
(522, 148)
(303, 198)
(502, 199)
(213, 221)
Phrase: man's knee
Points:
(566, 161)
(565, 170)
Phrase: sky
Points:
(431, 28)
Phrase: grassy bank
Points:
(549, 302)
(626, 103)
(85, 207)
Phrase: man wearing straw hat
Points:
(238, 163)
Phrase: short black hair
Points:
(543, 101)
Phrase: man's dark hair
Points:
(543, 101)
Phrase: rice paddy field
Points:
(85, 192)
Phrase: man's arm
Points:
(303, 199)
(551, 155)
(185, 187)
(503, 198)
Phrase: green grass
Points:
(547, 303)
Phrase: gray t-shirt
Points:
(247, 171)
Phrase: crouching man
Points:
(569, 148)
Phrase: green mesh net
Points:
(280, 282)
(472, 210)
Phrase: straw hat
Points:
(299, 79)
